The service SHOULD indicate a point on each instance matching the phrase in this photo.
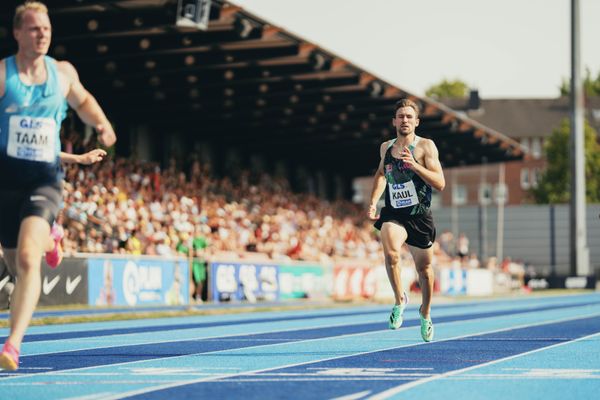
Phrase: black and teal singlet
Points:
(406, 194)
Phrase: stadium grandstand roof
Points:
(246, 81)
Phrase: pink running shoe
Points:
(9, 358)
(55, 256)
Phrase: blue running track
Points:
(527, 348)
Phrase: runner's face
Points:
(34, 34)
(406, 121)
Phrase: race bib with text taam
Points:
(31, 138)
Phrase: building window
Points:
(525, 143)
(485, 194)
(501, 193)
(525, 179)
(535, 176)
(459, 195)
(536, 148)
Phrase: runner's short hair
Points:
(36, 6)
(405, 102)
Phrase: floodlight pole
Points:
(580, 262)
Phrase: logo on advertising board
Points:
(49, 285)
(65, 285)
(138, 282)
(72, 284)
(248, 282)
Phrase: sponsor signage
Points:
(480, 282)
(137, 281)
(301, 281)
(354, 282)
(244, 281)
(561, 282)
(538, 283)
(453, 281)
(67, 284)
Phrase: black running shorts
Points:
(43, 200)
(420, 228)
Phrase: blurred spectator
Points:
(197, 257)
(134, 246)
(462, 246)
(446, 241)
(516, 270)
(129, 206)
(473, 261)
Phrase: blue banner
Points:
(137, 281)
(247, 281)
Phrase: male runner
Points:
(34, 92)
(408, 170)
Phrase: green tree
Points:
(591, 86)
(555, 183)
(448, 89)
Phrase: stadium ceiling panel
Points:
(247, 81)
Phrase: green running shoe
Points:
(426, 328)
(396, 315)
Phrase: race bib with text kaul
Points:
(31, 138)
(403, 194)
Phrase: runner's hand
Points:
(371, 213)
(92, 157)
(106, 134)
(408, 159)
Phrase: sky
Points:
(503, 48)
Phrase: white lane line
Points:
(75, 370)
(221, 337)
(354, 396)
(399, 389)
(16, 376)
(95, 396)
(500, 304)
(129, 338)
(224, 376)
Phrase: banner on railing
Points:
(353, 281)
(134, 282)
(302, 282)
(244, 281)
(65, 285)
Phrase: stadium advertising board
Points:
(469, 282)
(67, 284)
(137, 281)
(353, 281)
(561, 282)
(453, 281)
(244, 281)
(302, 282)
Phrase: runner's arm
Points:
(431, 170)
(378, 184)
(88, 158)
(86, 106)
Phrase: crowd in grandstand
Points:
(128, 206)
(137, 207)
